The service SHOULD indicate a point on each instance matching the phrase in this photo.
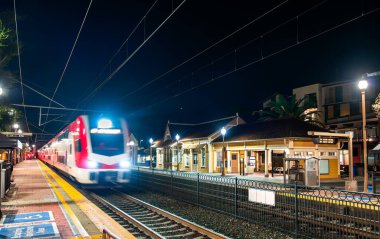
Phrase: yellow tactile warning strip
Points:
(98, 217)
(334, 201)
(65, 205)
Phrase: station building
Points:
(258, 147)
(261, 147)
(192, 152)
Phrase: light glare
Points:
(104, 124)
(363, 84)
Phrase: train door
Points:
(70, 152)
(234, 162)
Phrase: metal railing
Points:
(297, 210)
(108, 235)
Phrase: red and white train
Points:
(91, 150)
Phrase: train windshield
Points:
(107, 144)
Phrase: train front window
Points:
(107, 144)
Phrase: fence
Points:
(297, 210)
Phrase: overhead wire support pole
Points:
(58, 117)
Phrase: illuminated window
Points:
(195, 157)
(203, 157)
(187, 157)
(344, 110)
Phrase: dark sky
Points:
(47, 30)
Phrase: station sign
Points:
(324, 140)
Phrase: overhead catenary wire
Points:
(299, 42)
(134, 52)
(205, 50)
(118, 51)
(69, 58)
(122, 45)
(19, 64)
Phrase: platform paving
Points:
(41, 204)
(32, 194)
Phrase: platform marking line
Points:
(75, 195)
(72, 215)
(336, 201)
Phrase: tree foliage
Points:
(8, 116)
(285, 108)
(376, 106)
(8, 42)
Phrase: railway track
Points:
(152, 221)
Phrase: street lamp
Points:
(1, 90)
(177, 138)
(223, 132)
(16, 126)
(132, 144)
(363, 84)
(150, 144)
(19, 131)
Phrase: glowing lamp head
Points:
(223, 131)
(104, 124)
(125, 164)
(363, 84)
(177, 137)
(19, 131)
(151, 141)
(132, 143)
(92, 164)
(16, 126)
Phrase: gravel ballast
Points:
(224, 224)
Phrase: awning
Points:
(376, 148)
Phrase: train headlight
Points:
(92, 164)
(125, 164)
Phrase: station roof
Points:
(203, 130)
(274, 129)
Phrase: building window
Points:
(330, 112)
(354, 108)
(332, 153)
(195, 157)
(344, 110)
(203, 157)
(219, 158)
(338, 94)
(174, 156)
(187, 157)
(311, 100)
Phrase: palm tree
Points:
(285, 108)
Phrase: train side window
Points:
(78, 146)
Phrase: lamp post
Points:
(150, 145)
(132, 144)
(223, 168)
(363, 84)
(177, 138)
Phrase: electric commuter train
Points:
(90, 150)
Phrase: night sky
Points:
(47, 30)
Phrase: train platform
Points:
(41, 204)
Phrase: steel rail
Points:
(132, 220)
